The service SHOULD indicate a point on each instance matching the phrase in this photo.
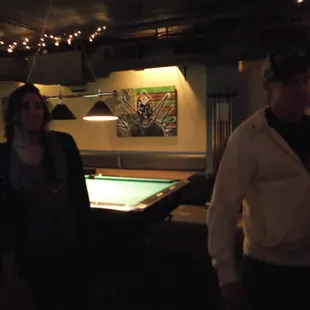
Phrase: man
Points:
(44, 205)
(266, 164)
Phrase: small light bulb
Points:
(51, 36)
(24, 43)
(15, 43)
(39, 44)
(10, 50)
(27, 47)
(27, 40)
(76, 34)
(90, 40)
(46, 35)
(57, 43)
(93, 36)
(99, 29)
(79, 32)
(43, 44)
(42, 39)
(1, 42)
(71, 36)
(104, 27)
(69, 42)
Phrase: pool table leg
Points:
(169, 218)
(143, 241)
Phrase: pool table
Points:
(125, 204)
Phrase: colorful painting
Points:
(147, 112)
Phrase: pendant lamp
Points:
(100, 112)
(62, 112)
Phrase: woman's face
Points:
(31, 112)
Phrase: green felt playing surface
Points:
(128, 191)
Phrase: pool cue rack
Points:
(222, 123)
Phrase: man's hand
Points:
(234, 297)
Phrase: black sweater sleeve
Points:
(77, 187)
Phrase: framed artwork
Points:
(147, 112)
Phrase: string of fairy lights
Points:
(49, 39)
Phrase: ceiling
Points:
(70, 15)
(140, 19)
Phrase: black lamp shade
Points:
(62, 112)
(100, 112)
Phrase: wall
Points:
(102, 136)
(252, 93)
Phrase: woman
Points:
(45, 206)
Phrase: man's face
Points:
(292, 94)
(31, 112)
(144, 106)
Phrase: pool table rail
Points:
(148, 202)
(165, 193)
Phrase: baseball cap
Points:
(283, 63)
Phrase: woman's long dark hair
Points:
(14, 105)
(12, 111)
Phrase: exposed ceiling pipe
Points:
(17, 24)
(256, 29)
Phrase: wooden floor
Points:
(172, 271)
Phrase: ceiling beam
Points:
(136, 6)
(209, 15)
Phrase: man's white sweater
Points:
(259, 167)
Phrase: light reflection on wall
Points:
(102, 136)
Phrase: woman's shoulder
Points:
(61, 135)
(66, 141)
(64, 137)
(3, 147)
